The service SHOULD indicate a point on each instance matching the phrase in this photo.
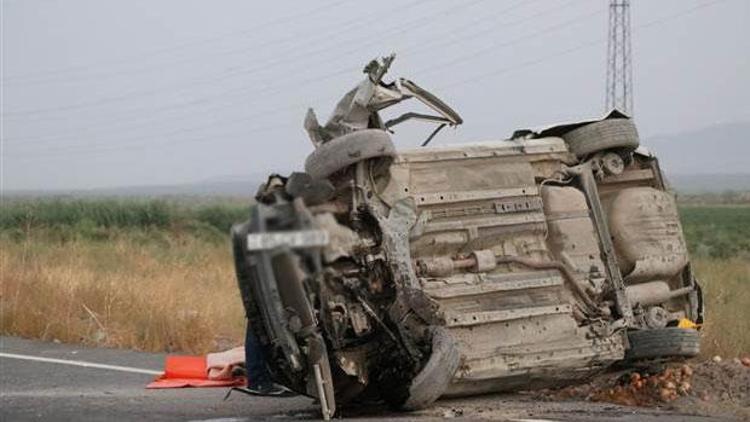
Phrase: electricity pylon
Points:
(619, 61)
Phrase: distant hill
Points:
(232, 186)
(713, 159)
(720, 149)
(246, 187)
(710, 183)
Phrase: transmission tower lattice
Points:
(619, 60)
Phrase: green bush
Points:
(221, 216)
(108, 213)
(65, 219)
(717, 231)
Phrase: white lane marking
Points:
(221, 420)
(533, 420)
(81, 363)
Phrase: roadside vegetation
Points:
(62, 219)
(157, 275)
(145, 274)
(717, 231)
(718, 237)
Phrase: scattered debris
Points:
(646, 389)
(713, 387)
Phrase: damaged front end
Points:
(273, 253)
(325, 270)
(321, 299)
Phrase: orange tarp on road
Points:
(190, 371)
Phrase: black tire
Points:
(603, 135)
(432, 381)
(341, 152)
(663, 343)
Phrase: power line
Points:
(160, 51)
(473, 79)
(151, 144)
(44, 140)
(317, 37)
(285, 58)
(272, 89)
(268, 89)
(312, 80)
(495, 45)
(578, 47)
(224, 121)
(423, 48)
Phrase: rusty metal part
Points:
(438, 266)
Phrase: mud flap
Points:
(695, 297)
(432, 381)
(697, 302)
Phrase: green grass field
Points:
(714, 231)
(718, 237)
(157, 274)
(103, 219)
(717, 231)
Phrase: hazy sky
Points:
(138, 92)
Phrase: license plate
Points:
(291, 239)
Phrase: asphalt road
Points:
(52, 391)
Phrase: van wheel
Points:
(663, 342)
(339, 153)
(603, 135)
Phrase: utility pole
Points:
(619, 60)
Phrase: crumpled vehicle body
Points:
(410, 275)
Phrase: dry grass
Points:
(167, 295)
(180, 295)
(726, 286)
(159, 277)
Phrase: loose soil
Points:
(709, 387)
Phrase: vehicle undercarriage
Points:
(410, 275)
